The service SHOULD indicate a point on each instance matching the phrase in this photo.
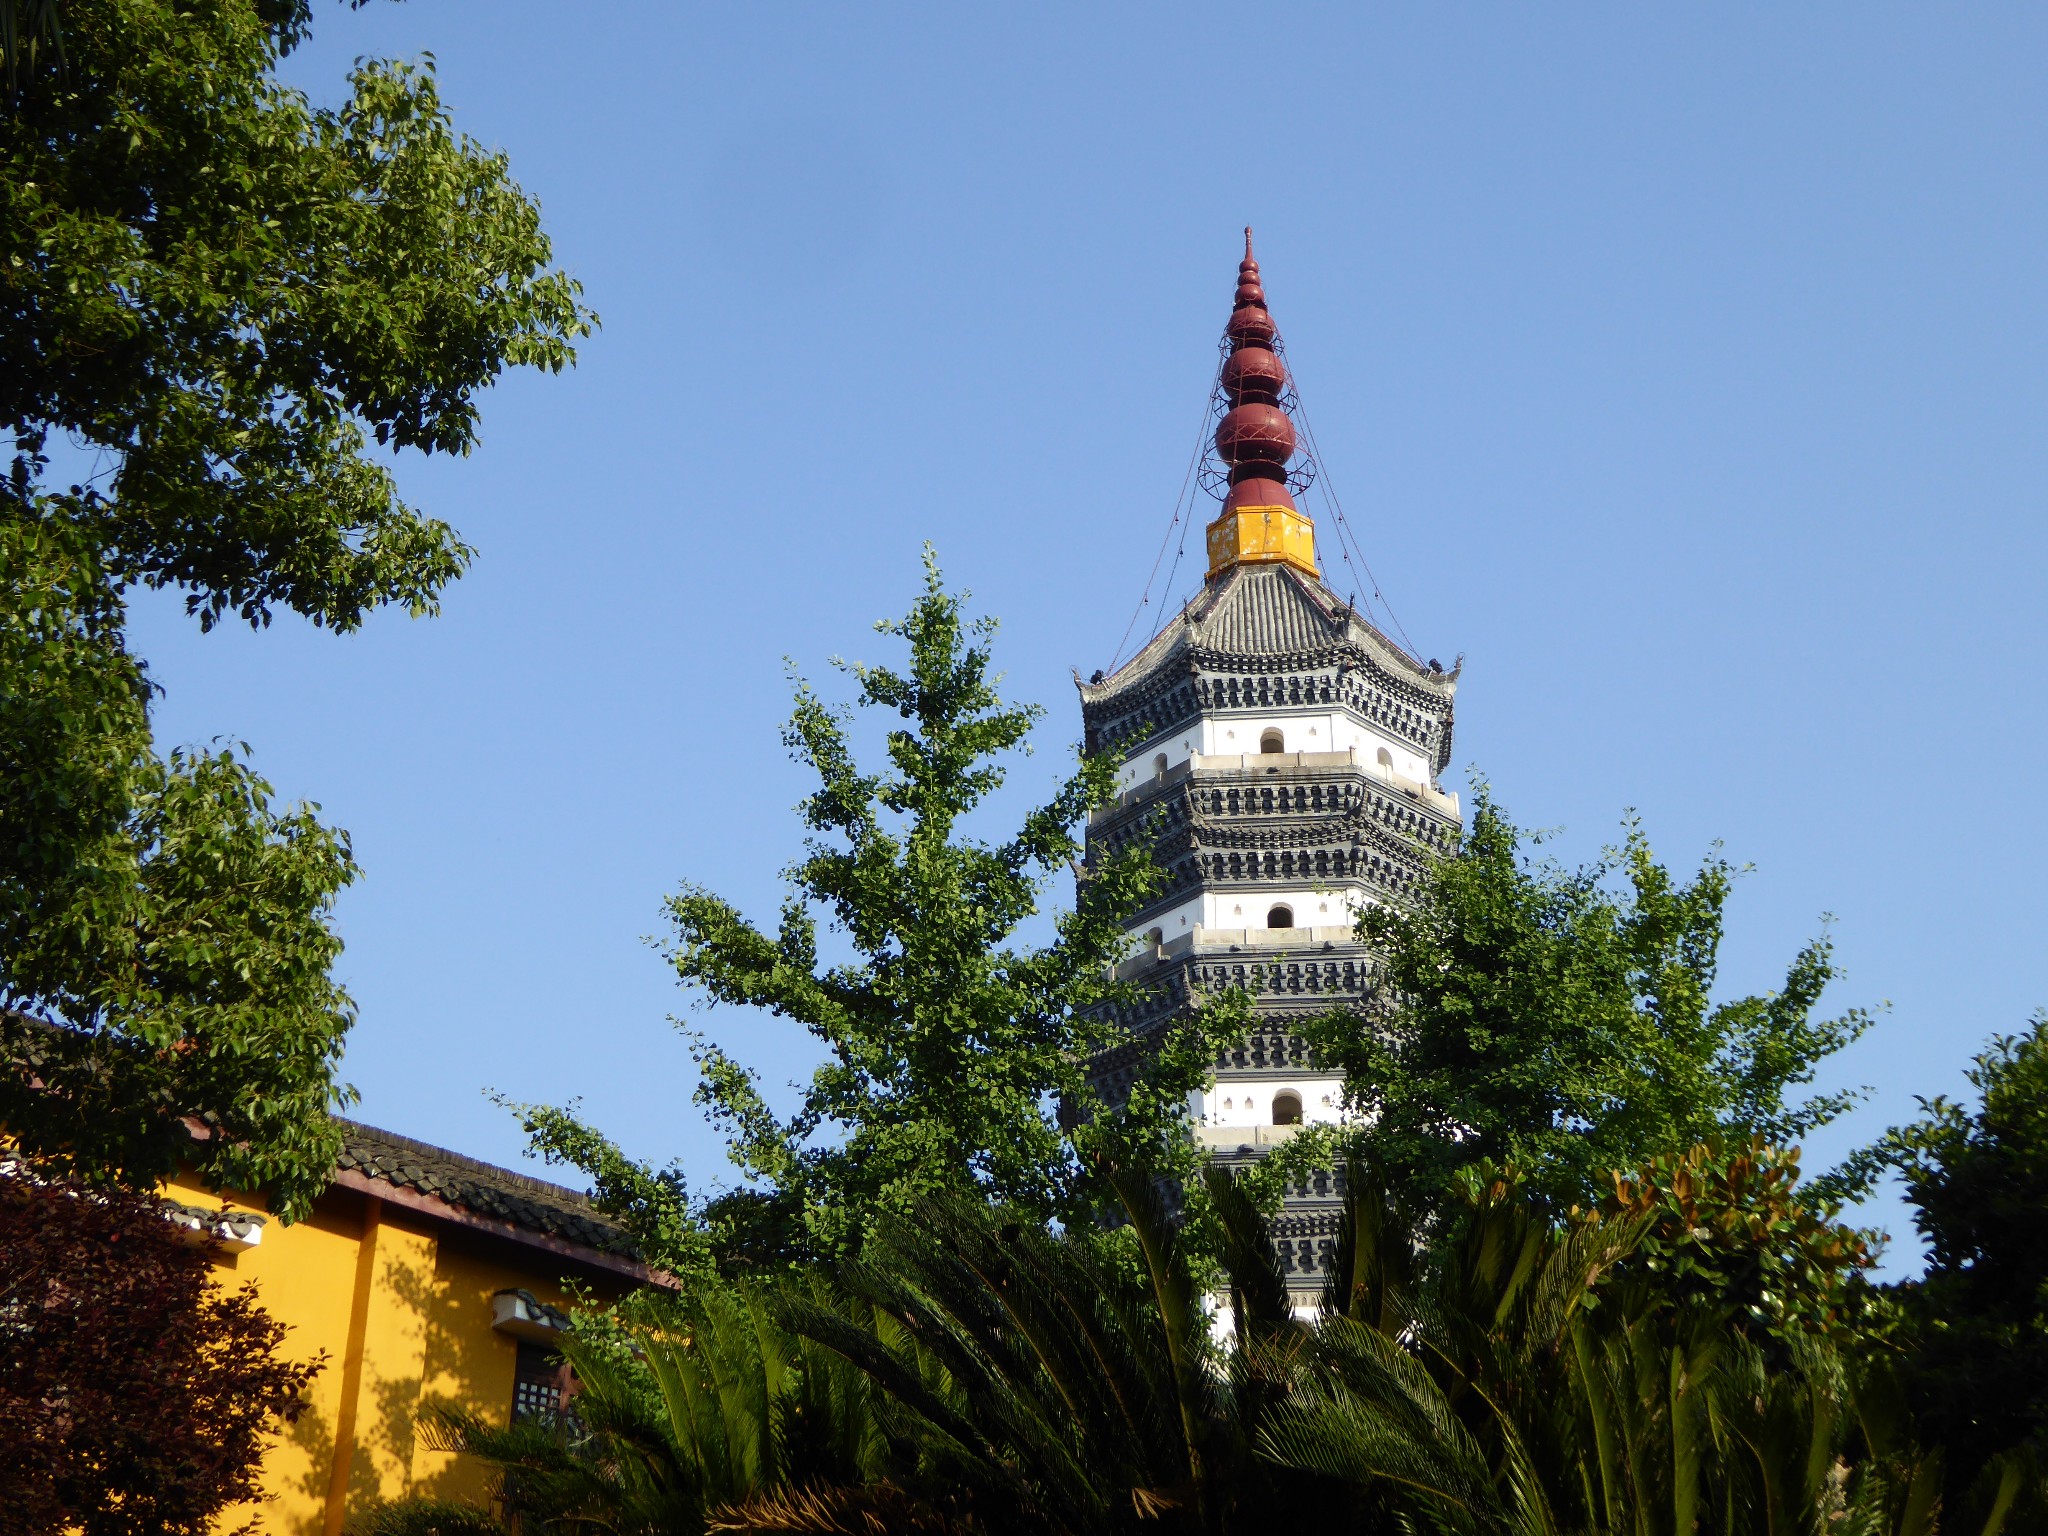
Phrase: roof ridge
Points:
(1265, 609)
(1317, 591)
(464, 1161)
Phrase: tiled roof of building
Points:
(1263, 610)
(1255, 611)
(483, 1188)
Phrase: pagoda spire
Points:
(1259, 523)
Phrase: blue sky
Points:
(1684, 368)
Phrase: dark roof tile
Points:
(515, 1198)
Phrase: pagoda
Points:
(1282, 753)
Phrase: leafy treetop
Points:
(1976, 1177)
(1533, 1015)
(955, 1057)
(228, 292)
(221, 295)
(1724, 1228)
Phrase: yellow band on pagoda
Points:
(1256, 535)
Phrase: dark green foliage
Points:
(1727, 1234)
(218, 295)
(229, 292)
(1072, 1378)
(976, 1371)
(1536, 1015)
(973, 1371)
(1397, 1390)
(428, 1517)
(135, 1395)
(31, 39)
(192, 969)
(704, 1410)
(165, 922)
(1088, 1393)
(1977, 1322)
(1527, 1375)
(948, 1045)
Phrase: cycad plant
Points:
(974, 1371)
(1496, 1370)
(702, 1412)
(1106, 1379)
(1525, 1377)
(1091, 1393)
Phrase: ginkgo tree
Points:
(956, 1054)
(1568, 1021)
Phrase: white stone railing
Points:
(1228, 1136)
(1226, 940)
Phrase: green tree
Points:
(956, 1057)
(1563, 1020)
(1728, 1233)
(230, 304)
(1977, 1179)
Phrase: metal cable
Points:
(1347, 540)
(1194, 461)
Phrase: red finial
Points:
(1256, 436)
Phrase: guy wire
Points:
(1194, 461)
(1347, 540)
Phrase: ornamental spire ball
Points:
(1255, 437)
(1259, 523)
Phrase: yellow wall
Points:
(400, 1303)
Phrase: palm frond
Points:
(1374, 1267)
(1258, 1291)
(31, 34)
(872, 1509)
(1369, 1410)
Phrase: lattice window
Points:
(539, 1384)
